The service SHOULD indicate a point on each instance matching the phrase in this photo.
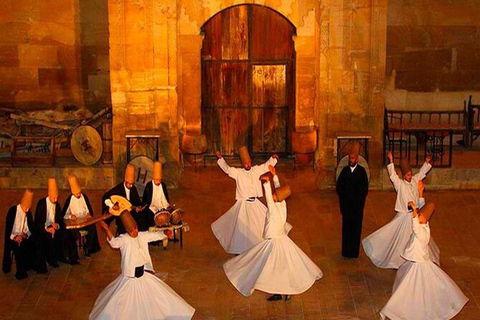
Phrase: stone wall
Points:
(49, 51)
(433, 54)
(340, 70)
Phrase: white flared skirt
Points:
(386, 245)
(142, 298)
(241, 227)
(275, 265)
(423, 291)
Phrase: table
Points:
(151, 138)
(343, 139)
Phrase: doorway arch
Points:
(248, 80)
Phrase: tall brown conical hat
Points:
(405, 166)
(130, 173)
(157, 170)
(128, 222)
(52, 188)
(355, 149)
(428, 210)
(244, 155)
(74, 185)
(283, 192)
(27, 200)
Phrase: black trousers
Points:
(24, 254)
(50, 249)
(351, 236)
(92, 245)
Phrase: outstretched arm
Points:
(268, 192)
(276, 181)
(232, 172)
(272, 161)
(424, 169)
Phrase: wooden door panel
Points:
(227, 84)
(269, 85)
(269, 130)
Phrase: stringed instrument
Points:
(121, 204)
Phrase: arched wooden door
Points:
(248, 80)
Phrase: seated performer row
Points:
(155, 198)
(45, 239)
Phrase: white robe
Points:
(422, 290)
(385, 246)
(276, 265)
(147, 297)
(241, 227)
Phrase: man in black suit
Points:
(352, 190)
(20, 238)
(155, 195)
(127, 190)
(50, 226)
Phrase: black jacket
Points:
(148, 193)
(41, 216)
(7, 250)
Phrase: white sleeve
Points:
(154, 236)
(68, 213)
(276, 181)
(116, 242)
(268, 193)
(393, 176)
(263, 168)
(423, 171)
(232, 172)
(421, 203)
(419, 231)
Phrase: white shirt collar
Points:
(353, 168)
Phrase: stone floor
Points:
(350, 289)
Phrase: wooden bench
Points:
(455, 120)
(473, 121)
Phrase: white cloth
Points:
(386, 245)
(422, 290)
(78, 207)
(135, 250)
(50, 218)
(275, 265)
(159, 201)
(242, 226)
(353, 168)
(406, 191)
(146, 297)
(127, 191)
(20, 224)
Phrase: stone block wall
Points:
(54, 53)
(433, 54)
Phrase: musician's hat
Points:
(157, 170)
(130, 173)
(52, 188)
(74, 185)
(27, 200)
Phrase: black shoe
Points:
(21, 276)
(54, 264)
(75, 262)
(275, 297)
(288, 298)
(42, 271)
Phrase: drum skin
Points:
(176, 216)
(162, 218)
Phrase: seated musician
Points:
(155, 195)
(20, 237)
(127, 190)
(50, 226)
(77, 208)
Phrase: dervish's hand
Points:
(272, 170)
(73, 217)
(275, 156)
(428, 158)
(219, 155)
(390, 156)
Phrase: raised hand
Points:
(264, 178)
(272, 170)
(73, 217)
(219, 155)
(275, 156)
(390, 156)
(428, 157)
